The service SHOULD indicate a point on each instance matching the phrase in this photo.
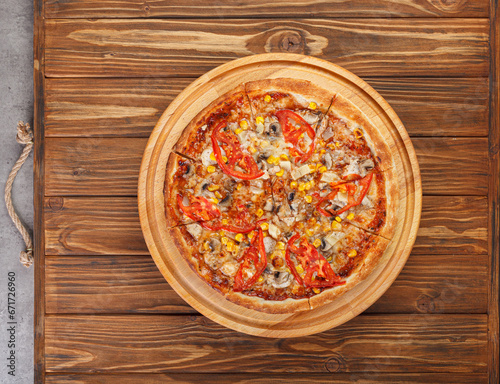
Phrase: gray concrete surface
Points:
(16, 103)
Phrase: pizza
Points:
(281, 195)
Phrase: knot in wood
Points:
(425, 304)
(56, 203)
(286, 41)
(146, 8)
(448, 5)
(335, 364)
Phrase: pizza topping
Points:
(317, 272)
(254, 258)
(199, 209)
(236, 158)
(295, 129)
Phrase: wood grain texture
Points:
(110, 226)
(264, 9)
(131, 107)
(446, 165)
(381, 343)
(110, 166)
(133, 284)
(173, 48)
(292, 378)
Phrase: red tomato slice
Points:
(293, 127)
(251, 257)
(201, 210)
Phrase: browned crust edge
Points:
(273, 307)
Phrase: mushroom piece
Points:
(366, 166)
(273, 129)
(279, 279)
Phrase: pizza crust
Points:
(268, 306)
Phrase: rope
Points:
(24, 137)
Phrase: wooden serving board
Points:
(175, 267)
(104, 73)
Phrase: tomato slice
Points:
(294, 128)
(240, 221)
(251, 257)
(364, 184)
(235, 155)
(201, 210)
(318, 272)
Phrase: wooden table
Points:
(105, 71)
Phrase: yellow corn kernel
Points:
(321, 143)
(342, 188)
(302, 186)
(300, 225)
(252, 149)
(309, 199)
(224, 240)
(230, 246)
(224, 159)
(267, 98)
(312, 105)
(218, 195)
(336, 226)
(318, 166)
(329, 258)
(264, 143)
(299, 269)
(331, 146)
(316, 290)
(293, 184)
(206, 245)
(352, 253)
(212, 157)
(238, 131)
(239, 186)
(308, 186)
(317, 243)
(251, 235)
(322, 169)
(280, 172)
(260, 279)
(312, 167)
(225, 221)
(239, 237)
(312, 221)
(259, 120)
(259, 212)
(264, 226)
(358, 133)
(214, 200)
(322, 152)
(338, 219)
(243, 124)
(309, 232)
(213, 187)
(280, 245)
(301, 135)
(350, 216)
(284, 157)
(271, 159)
(210, 169)
(337, 144)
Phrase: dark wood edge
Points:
(494, 193)
(38, 171)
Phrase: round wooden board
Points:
(176, 269)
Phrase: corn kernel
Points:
(322, 152)
(317, 243)
(300, 225)
(243, 124)
(312, 105)
(284, 157)
(309, 232)
(251, 235)
(271, 159)
(210, 169)
(264, 143)
(352, 253)
(225, 221)
(213, 187)
(358, 133)
(239, 186)
(280, 245)
(309, 199)
(259, 212)
(312, 221)
(336, 226)
(299, 269)
(337, 144)
(260, 279)
(293, 184)
(280, 172)
(214, 200)
(238, 131)
(230, 246)
(264, 226)
(326, 226)
(224, 159)
(206, 245)
(350, 216)
(322, 169)
(329, 258)
(224, 240)
(301, 135)
(259, 120)
(212, 157)
(312, 167)
(321, 143)
(331, 146)
(338, 219)
(302, 186)
(218, 195)
(316, 290)
(342, 188)
(308, 186)
(239, 237)
(252, 149)
(267, 98)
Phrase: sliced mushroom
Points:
(366, 166)
(279, 279)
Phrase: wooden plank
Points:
(162, 343)
(446, 166)
(110, 226)
(263, 9)
(252, 378)
(110, 166)
(93, 166)
(131, 107)
(133, 284)
(189, 48)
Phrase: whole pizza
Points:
(281, 195)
